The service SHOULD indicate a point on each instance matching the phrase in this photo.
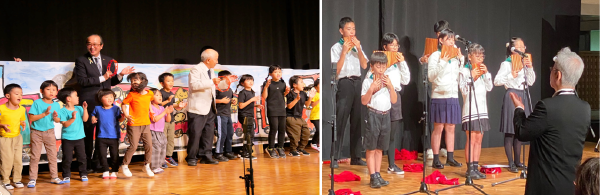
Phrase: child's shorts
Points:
(378, 128)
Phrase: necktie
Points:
(98, 64)
(209, 75)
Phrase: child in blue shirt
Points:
(42, 132)
(107, 118)
(72, 118)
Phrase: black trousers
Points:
(348, 106)
(397, 129)
(201, 131)
(68, 147)
(277, 126)
(112, 145)
(92, 158)
(315, 139)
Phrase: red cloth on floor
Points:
(438, 178)
(405, 155)
(490, 170)
(346, 192)
(345, 176)
(413, 167)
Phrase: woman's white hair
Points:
(570, 65)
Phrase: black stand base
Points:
(468, 182)
(522, 176)
(422, 189)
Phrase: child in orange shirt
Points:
(137, 110)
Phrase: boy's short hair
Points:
(103, 92)
(378, 58)
(10, 87)
(161, 77)
(294, 80)
(48, 83)
(440, 25)
(344, 21)
(64, 93)
(224, 73)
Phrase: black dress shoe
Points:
(513, 168)
(437, 165)
(453, 163)
(221, 158)
(521, 166)
(192, 163)
(473, 174)
(230, 156)
(358, 161)
(381, 181)
(375, 182)
(481, 175)
(209, 161)
(334, 164)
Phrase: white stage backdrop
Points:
(30, 75)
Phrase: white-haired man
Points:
(556, 128)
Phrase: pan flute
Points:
(477, 67)
(450, 51)
(391, 56)
(517, 61)
(378, 77)
(349, 39)
(431, 45)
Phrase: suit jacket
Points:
(557, 128)
(201, 90)
(86, 80)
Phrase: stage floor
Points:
(410, 181)
(292, 175)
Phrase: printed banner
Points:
(30, 75)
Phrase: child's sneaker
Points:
(19, 185)
(84, 178)
(395, 170)
(304, 152)
(66, 180)
(8, 186)
(105, 175)
(314, 146)
(294, 153)
(164, 166)
(126, 170)
(147, 170)
(281, 152)
(56, 181)
(158, 171)
(113, 175)
(271, 152)
(31, 183)
(171, 161)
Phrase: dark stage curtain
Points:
(489, 23)
(249, 32)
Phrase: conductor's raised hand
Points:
(516, 100)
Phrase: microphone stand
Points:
(332, 123)
(249, 177)
(526, 93)
(469, 180)
(425, 121)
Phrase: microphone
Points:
(462, 40)
(513, 49)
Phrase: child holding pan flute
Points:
(512, 76)
(478, 115)
(444, 107)
(397, 71)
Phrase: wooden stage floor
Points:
(292, 175)
(410, 181)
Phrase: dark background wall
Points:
(249, 32)
(545, 26)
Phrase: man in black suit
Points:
(91, 75)
(557, 128)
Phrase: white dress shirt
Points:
(351, 65)
(506, 78)
(399, 75)
(380, 100)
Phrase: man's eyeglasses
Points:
(93, 45)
